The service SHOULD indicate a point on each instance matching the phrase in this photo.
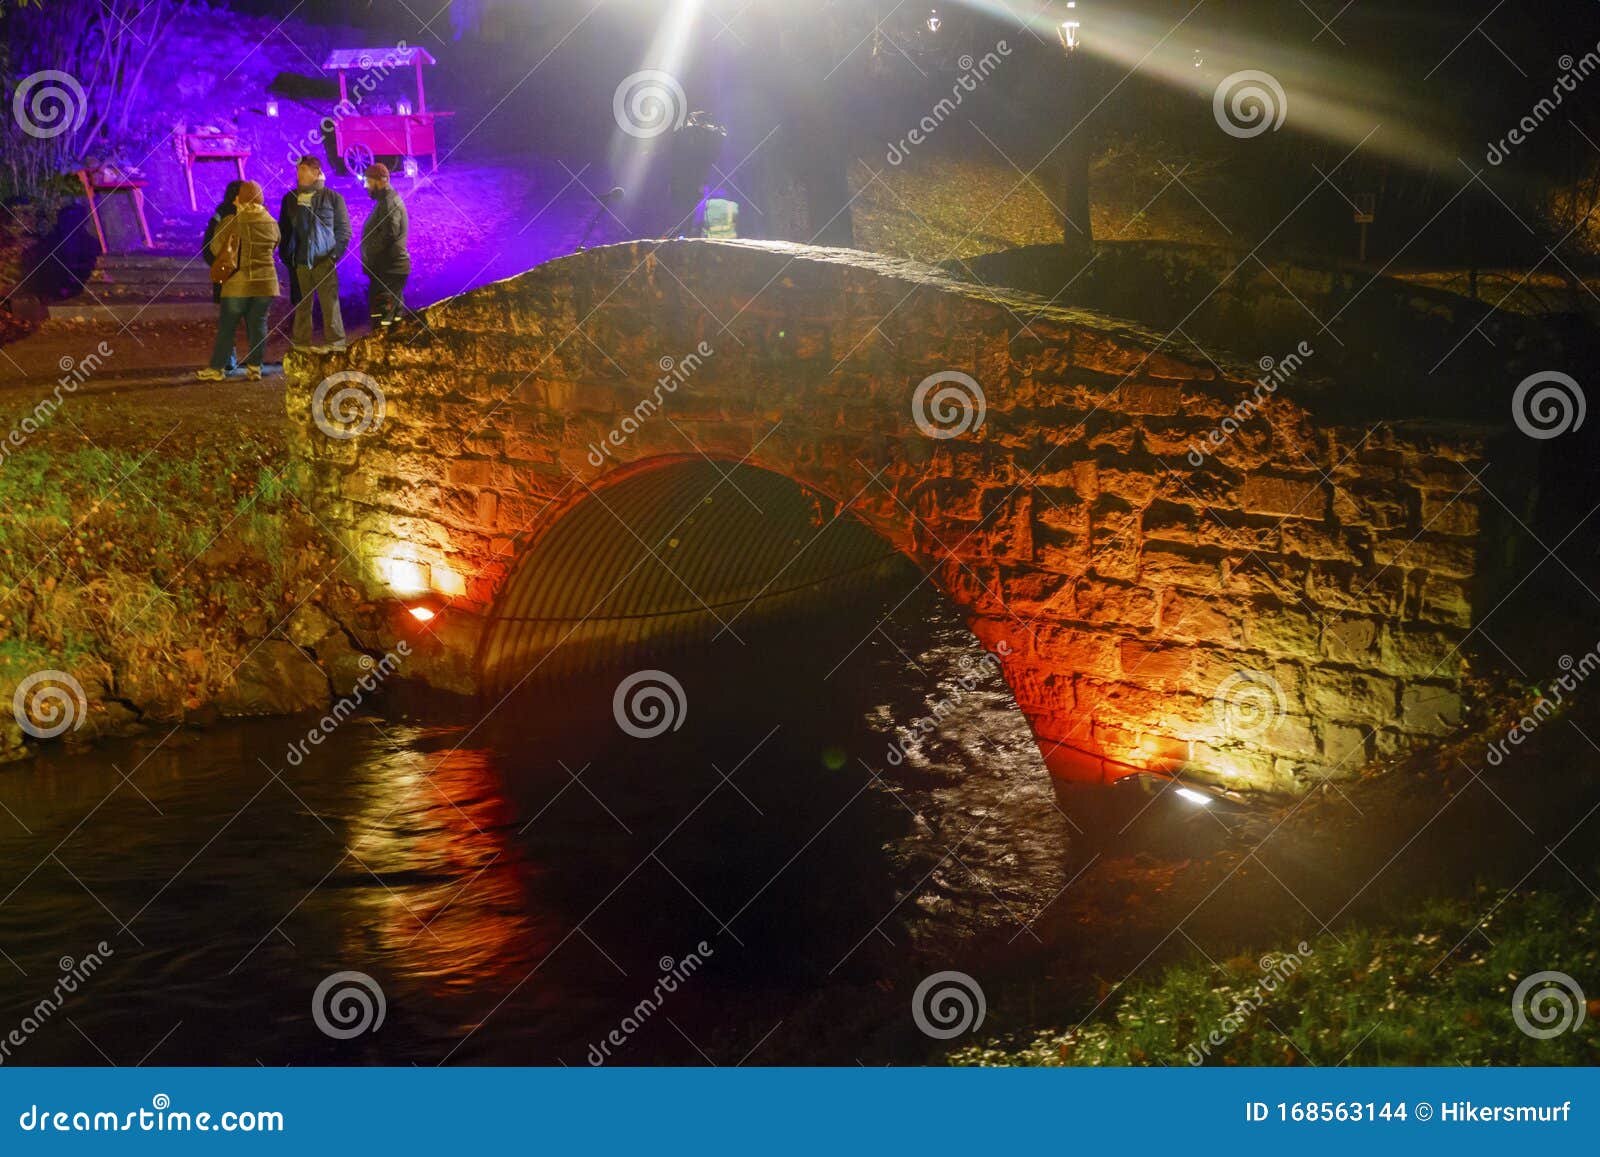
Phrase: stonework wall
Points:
(1284, 610)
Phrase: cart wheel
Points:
(357, 159)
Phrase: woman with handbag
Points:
(244, 268)
(225, 209)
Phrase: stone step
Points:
(124, 312)
(196, 271)
(154, 279)
(137, 258)
(116, 292)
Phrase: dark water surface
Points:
(517, 887)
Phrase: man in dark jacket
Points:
(314, 232)
(384, 257)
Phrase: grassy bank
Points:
(1436, 990)
(154, 551)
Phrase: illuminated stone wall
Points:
(1284, 610)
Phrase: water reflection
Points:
(514, 888)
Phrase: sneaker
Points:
(252, 373)
(210, 375)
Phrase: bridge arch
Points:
(1179, 578)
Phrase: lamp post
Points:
(1077, 230)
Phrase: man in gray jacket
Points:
(384, 256)
(314, 231)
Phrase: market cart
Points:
(359, 138)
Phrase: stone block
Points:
(1203, 618)
(1351, 695)
(1444, 600)
(1455, 514)
(1430, 709)
(1349, 640)
(1114, 604)
(1420, 652)
(1155, 661)
(1346, 748)
(1073, 650)
(1437, 555)
(1173, 566)
(1280, 630)
(1283, 495)
(1149, 398)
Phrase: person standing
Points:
(250, 234)
(314, 225)
(384, 256)
(219, 218)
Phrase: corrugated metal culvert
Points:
(671, 557)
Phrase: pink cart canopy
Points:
(390, 57)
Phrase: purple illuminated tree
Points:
(72, 73)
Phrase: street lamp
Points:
(1077, 232)
(1068, 29)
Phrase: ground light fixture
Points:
(934, 21)
(409, 167)
(422, 613)
(272, 108)
(1198, 798)
(402, 107)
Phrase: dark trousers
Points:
(253, 311)
(233, 362)
(386, 297)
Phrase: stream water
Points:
(536, 887)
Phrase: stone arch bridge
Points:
(1181, 568)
